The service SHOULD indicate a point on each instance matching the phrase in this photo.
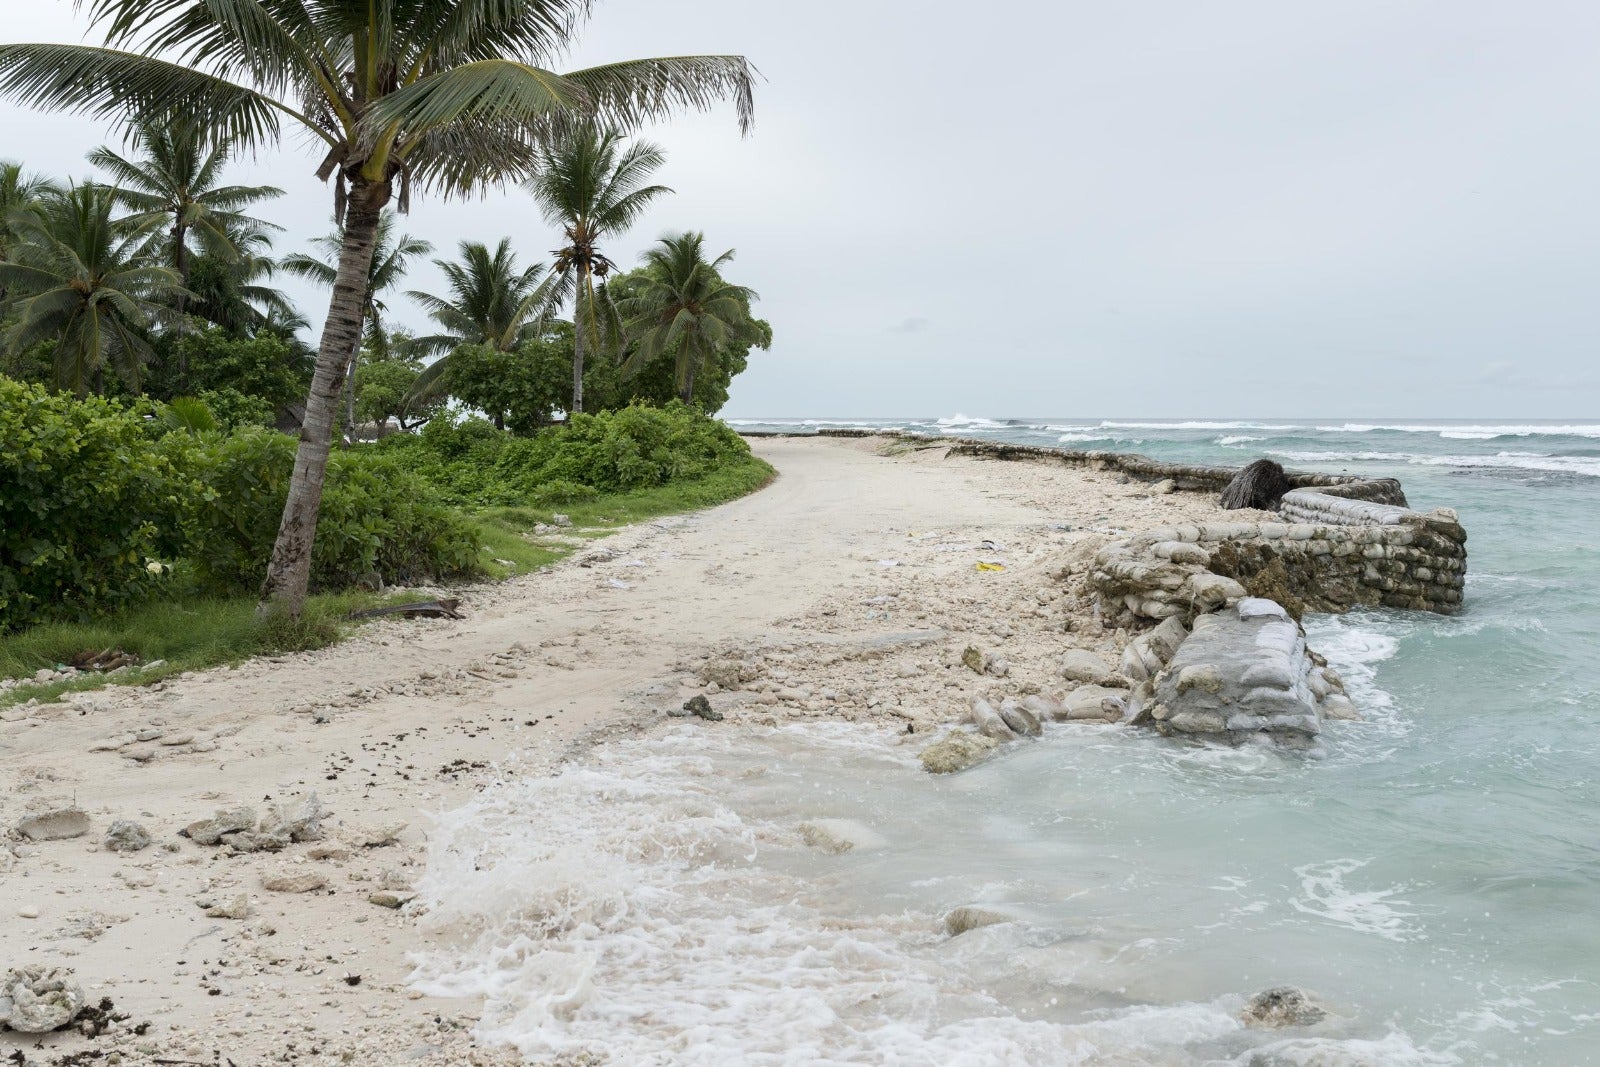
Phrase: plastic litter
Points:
(888, 563)
(618, 583)
(990, 545)
(986, 565)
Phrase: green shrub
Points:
(635, 447)
(561, 492)
(87, 501)
(378, 520)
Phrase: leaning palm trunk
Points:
(289, 572)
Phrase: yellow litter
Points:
(991, 566)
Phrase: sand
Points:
(848, 588)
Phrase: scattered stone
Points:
(376, 837)
(1090, 702)
(54, 824)
(729, 673)
(389, 898)
(38, 999)
(986, 718)
(1281, 1006)
(237, 908)
(210, 831)
(561, 520)
(28, 911)
(956, 751)
(255, 841)
(971, 917)
(1019, 718)
(834, 836)
(1081, 665)
(699, 706)
(328, 852)
(125, 835)
(309, 882)
(973, 659)
(296, 820)
(1165, 487)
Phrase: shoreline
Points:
(847, 589)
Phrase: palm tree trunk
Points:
(180, 263)
(577, 340)
(350, 396)
(691, 363)
(289, 572)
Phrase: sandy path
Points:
(408, 718)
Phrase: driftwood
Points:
(1260, 485)
(429, 609)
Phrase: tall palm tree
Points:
(81, 280)
(491, 303)
(391, 258)
(592, 186)
(678, 305)
(175, 184)
(18, 189)
(448, 95)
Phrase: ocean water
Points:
(1434, 879)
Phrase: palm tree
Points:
(593, 187)
(81, 280)
(448, 95)
(175, 185)
(391, 257)
(678, 305)
(17, 190)
(232, 292)
(491, 303)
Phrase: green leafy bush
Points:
(88, 500)
(634, 447)
(378, 521)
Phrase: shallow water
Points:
(1434, 877)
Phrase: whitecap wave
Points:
(1236, 439)
(1471, 431)
(1541, 462)
(959, 421)
(1200, 425)
(1110, 438)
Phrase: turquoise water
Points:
(1435, 879)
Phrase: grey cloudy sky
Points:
(1243, 207)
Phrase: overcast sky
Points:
(1350, 208)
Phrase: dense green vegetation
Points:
(398, 97)
(142, 526)
(637, 447)
(148, 361)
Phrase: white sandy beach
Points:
(850, 586)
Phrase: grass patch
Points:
(194, 632)
(187, 633)
(509, 533)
